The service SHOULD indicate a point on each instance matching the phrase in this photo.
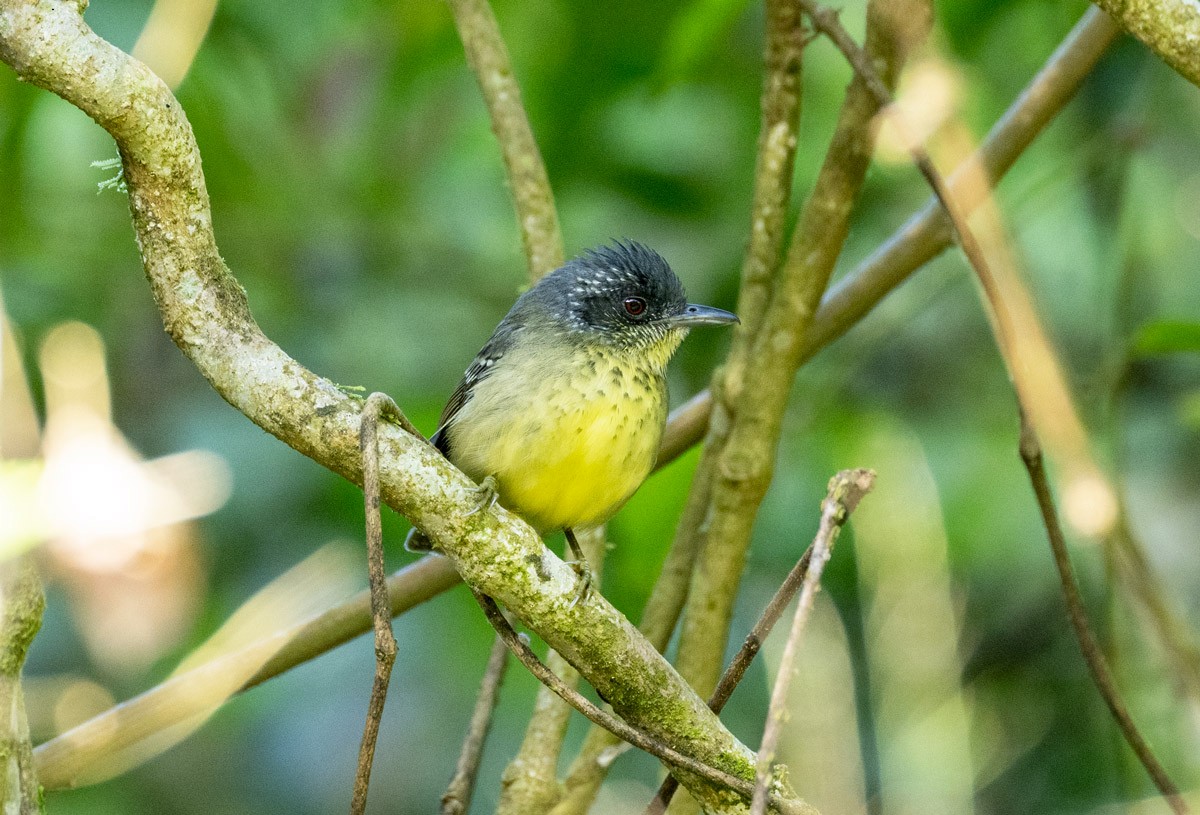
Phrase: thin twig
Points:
(381, 612)
(456, 800)
(846, 489)
(741, 661)
(608, 721)
(826, 21)
(534, 200)
(1031, 455)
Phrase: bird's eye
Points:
(634, 306)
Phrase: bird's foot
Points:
(488, 491)
(582, 568)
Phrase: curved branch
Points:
(206, 314)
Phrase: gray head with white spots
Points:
(623, 294)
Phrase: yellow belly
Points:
(567, 447)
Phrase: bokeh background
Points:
(358, 195)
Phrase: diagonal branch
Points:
(927, 233)
(1031, 456)
(527, 178)
(846, 489)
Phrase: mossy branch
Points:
(21, 606)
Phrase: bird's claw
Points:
(488, 492)
(584, 570)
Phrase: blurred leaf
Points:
(1189, 410)
(694, 34)
(1167, 337)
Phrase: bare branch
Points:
(1031, 455)
(927, 233)
(741, 662)
(381, 613)
(66, 759)
(488, 57)
(846, 489)
(457, 798)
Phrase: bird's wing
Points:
(479, 369)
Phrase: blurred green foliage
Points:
(358, 195)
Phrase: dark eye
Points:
(634, 306)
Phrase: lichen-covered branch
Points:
(488, 57)
(529, 784)
(1169, 28)
(21, 606)
(206, 314)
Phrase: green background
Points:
(358, 195)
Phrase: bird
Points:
(560, 415)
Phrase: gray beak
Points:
(703, 315)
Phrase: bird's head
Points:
(624, 295)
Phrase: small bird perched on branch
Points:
(560, 415)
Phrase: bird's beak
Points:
(702, 315)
